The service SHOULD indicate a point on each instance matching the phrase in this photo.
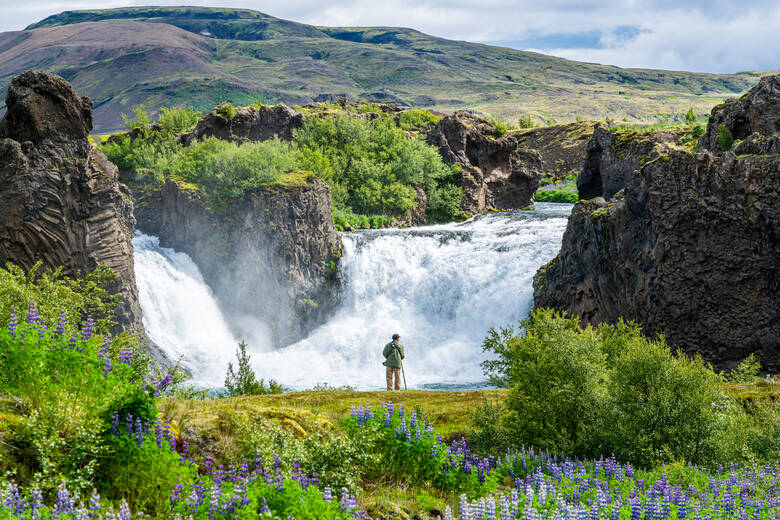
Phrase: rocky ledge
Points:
(688, 245)
(60, 199)
(496, 172)
(271, 256)
(248, 124)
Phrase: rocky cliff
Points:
(688, 247)
(613, 157)
(496, 173)
(60, 199)
(270, 257)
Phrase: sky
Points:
(694, 35)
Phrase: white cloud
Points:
(702, 35)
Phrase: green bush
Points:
(226, 110)
(690, 117)
(661, 407)
(178, 119)
(592, 392)
(139, 119)
(243, 381)
(556, 373)
(415, 119)
(747, 371)
(527, 122)
(55, 294)
(725, 138)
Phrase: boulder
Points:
(60, 199)
(688, 247)
(249, 124)
(494, 172)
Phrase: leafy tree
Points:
(747, 371)
(690, 117)
(243, 381)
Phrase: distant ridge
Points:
(201, 56)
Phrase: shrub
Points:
(226, 110)
(243, 380)
(598, 391)
(747, 371)
(178, 119)
(499, 127)
(690, 117)
(415, 119)
(661, 407)
(527, 122)
(54, 295)
(139, 119)
(725, 138)
(556, 373)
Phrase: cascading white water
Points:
(440, 287)
(180, 314)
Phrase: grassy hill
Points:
(201, 56)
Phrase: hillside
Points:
(202, 56)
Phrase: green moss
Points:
(295, 179)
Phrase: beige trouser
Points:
(389, 373)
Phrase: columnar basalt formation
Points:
(688, 246)
(60, 199)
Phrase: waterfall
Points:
(440, 287)
(180, 314)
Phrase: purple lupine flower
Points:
(60, 330)
(13, 322)
(126, 355)
(103, 354)
(42, 331)
(176, 493)
(88, 329)
(64, 500)
(124, 511)
(32, 314)
(94, 506)
(163, 384)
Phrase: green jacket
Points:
(394, 353)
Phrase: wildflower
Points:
(13, 322)
(87, 330)
(32, 314)
(60, 330)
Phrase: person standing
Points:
(394, 353)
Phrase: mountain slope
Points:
(202, 56)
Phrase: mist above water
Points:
(440, 287)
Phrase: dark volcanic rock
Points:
(60, 200)
(495, 173)
(688, 248)
(614, 156)
(249, 124)
(270, 256)
(563, 148)
(758, 111)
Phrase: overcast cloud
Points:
(707, 36)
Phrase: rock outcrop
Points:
(614, 156)
(562, 148)
(249, 124)
(60, 199)
(270, 257)
(758, 111)
(495, 172)
(689, 247)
